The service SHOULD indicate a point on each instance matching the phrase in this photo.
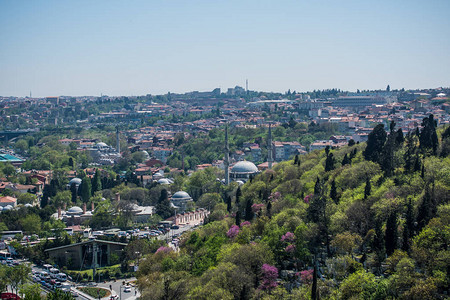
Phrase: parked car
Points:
(127, 289)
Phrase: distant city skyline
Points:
(89, 48)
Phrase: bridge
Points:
(9, 134)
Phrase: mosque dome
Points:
(101, 145)
(164, 181)
(244, 167)
(75, 180)
(181, 195)
(75, 210)
(28, 205)
(8, 207)
(1, 208)
(240, 182)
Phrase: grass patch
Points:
(95, 291)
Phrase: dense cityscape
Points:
(100, 189)
(225, 150)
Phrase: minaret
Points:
(269, 148)
(117, 140)
(226, 160)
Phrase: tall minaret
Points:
(117, 140)
(226, 160)
(269, 148)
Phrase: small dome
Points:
(1, 208)
(75, 180)
(244, 167)
(7, 207)
(240, 182)
(181, 195)
(75, 210)
(163, 181)
(147, 156)
(28, 205)
(101, 145)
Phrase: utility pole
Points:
(269, 148)
(227, 157)
(94, 260)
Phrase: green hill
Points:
(366, 221)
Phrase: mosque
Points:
(242, 171)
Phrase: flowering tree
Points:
(245, 223)
(164, 249)
(290, 248)
(308, 198)
(306, 276)
(257, 207)
(275, 196)
(233, 231)
(288, 237)
(269, 277)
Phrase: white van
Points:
(61, 277)
(87, 233)
(53, 272)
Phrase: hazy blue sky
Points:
(139, 47)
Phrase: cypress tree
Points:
(399, 138)
(296, 160)
(238, 195)
(238, 218)
(408, 227)
(391, 234)
(269, 208)
(229, 203)
(45, 196)
(345, 160)
(73, 190)
(71, 164)
(375, 143)
(333, 192)
(368, 188)
(248, 211)
(85, 187)
(378, 244)
(424, 214)
(314, 294)
(329, 163)
(428, 138)
(96, 182)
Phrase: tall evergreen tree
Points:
(424, 214)
(45, 196)
(96, 182)
(329, 163)
(238, 195)
(238, 218)
(368, 188)
(391, 235)
(345, 160)
(333, 192)
(164, 209)
(314, 290)
(73, 191)
(296, 159)
(378, 240)
(248, 211)
(428, 138)
(408, 227)
(85, 189)
(269, 208)
(375, 143)
(229, 203)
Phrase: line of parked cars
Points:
(51, 278)
(9, 261)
